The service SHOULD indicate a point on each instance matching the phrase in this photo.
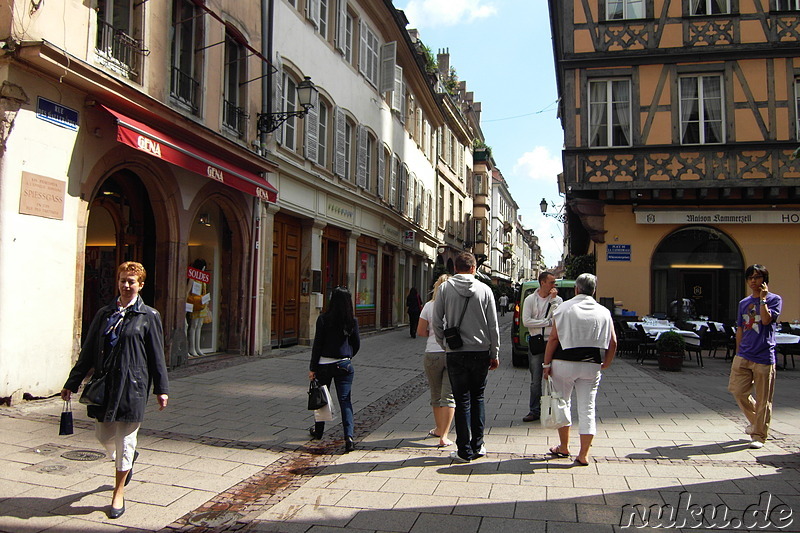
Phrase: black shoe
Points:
(349, 445)
(314, 434)
(530, 418)
(115, 513)
(130, 472)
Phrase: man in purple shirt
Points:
(754, 364)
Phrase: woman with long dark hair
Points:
(336, 341)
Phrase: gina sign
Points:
(699, 216)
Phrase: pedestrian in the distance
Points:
(435, 366)
(582, 343)
(753, 367)
(414, 306)
(503, 303)
(464, 302)
(125, 342)
(336, 341)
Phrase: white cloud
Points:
(539, 165)
(433, 13)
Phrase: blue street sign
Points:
(618, 252)
(57, 114)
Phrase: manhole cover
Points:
(214, 518)
(52, 468)
(83, 455)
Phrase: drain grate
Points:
(83, 455)
(214, 518)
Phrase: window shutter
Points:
(381, 181)
(397, 93)
(423, 221)
(362, 48)
(312, 12)
(393, 182)
(361, 156)
(277, 94)
(388, 67)
(402, 190)
(339, 141)
(312, 130)
(341, 22)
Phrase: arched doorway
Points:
(216, 247)
(121, 227)
(703, 264)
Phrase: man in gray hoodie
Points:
(468, 304)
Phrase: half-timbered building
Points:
(679, 118)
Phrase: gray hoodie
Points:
(479, 328)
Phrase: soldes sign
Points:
(198, 275)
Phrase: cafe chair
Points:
(626, 339)
(730, 347)
(696, 349)
(786, 327)
(646, 345)
(718, 338)
(791, 350)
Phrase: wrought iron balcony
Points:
(234, 117)
(122, 50)
(185, 89)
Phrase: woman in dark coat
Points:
(336, 341)
(126, 343)
(414, 305)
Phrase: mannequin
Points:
(195, 291)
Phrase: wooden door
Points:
(286, 246)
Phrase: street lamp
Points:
(560, 216)
(306, 95)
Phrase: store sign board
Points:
(618, 252)
(408, 237)
(703, 216)
(42, 196)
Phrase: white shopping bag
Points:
(555, 409)
(325, 413)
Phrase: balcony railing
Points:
(123, 50)
(234, 117)
(185, 89)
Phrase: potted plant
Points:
(670, 345)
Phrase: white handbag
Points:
(555, 409)
(324, 413)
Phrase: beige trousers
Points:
(755, 404)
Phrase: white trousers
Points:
(119, 440)
(584, 378)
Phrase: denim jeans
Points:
(341, 374)
(468, 372)
(535, 366)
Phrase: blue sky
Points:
(503, 50)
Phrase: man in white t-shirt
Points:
(503, 303)
(537, 316)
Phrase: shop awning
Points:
(137, 135)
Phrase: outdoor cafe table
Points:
(655, 330)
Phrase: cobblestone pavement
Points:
(231, 454)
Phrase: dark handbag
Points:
(452, 336)
(316, 398)
(537, 343)
(94, 392)
(65, 427)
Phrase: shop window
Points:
(709, 7)
(119, 29)
(187, 40)
(624, 9)
(609, 113)
(701, 113)
(366, 282)
(234, 116)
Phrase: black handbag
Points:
(65, 427)
(537, 343)
(94, 392)
(316, 399)
(452, 336)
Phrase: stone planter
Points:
(670, 361)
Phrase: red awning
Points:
(144, 138)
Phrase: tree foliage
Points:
(575, 265)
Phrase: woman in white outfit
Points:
(582, 342)
(442, 401)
